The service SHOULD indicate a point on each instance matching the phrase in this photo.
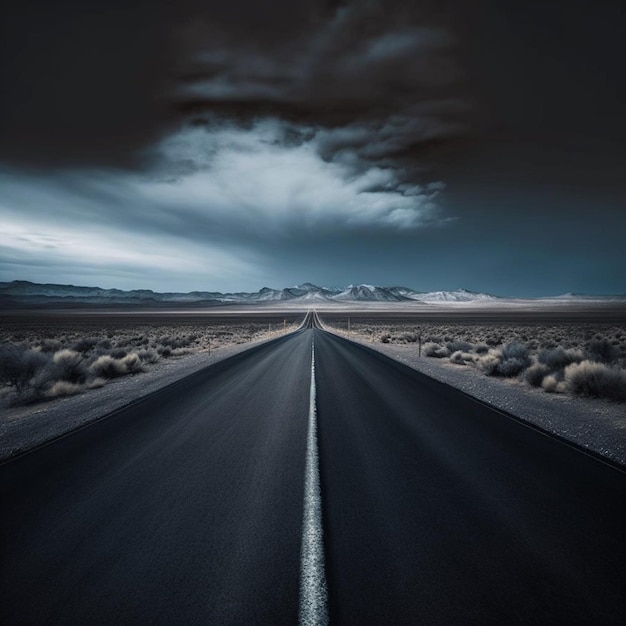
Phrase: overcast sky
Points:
(230, 145)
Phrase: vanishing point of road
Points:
(311, 480)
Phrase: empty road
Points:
(311, 479)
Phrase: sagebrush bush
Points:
(132, 363)
(64, 388)
(455, 346)
(461, 358)
(508, 361)
(488, 363)
(511, 367)
(50, 345)
(69, 366)
(18, 365)
(148, 356)
(515, 359)
(435, 350)
(551, 384)
(597, 380)
(602, 350)
(86, 344)
(535, 374)
(516, 351)
(106, 366)
(559, 358)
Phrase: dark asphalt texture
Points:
(186, 507)
(440, 510)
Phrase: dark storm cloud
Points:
(82, 82)
(96, 83)
(371, 79)
(200, 142)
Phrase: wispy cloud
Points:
(309, 133)
(53, 247)
(273, 176)
(210, 197)
(373, 83)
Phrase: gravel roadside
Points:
(597, 425)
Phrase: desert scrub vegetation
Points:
(577, 358)
(43, 357)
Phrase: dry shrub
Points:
(596, 380)
(508, 361)
(64, 388)
(488, 363)
(148, 356)
(67, 358)
(559, 358)
(435, 350)
(459, 346)
(50, 345)
(132, 363)
(551, 384)
(69, 366)
(85, 344)
(106, 366)
(535, 374)
(461, 358)
(19, 365)
(602, 350)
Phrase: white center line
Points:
(313, 591)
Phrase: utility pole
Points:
(284, 326)
(348, 326)
(209, 345)
(419, 350)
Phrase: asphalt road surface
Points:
(187, 506)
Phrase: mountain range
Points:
(21, 293)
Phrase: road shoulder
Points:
(26, 427)
(595, 425)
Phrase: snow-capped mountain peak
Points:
(24, 293)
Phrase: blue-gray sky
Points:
(227, 146)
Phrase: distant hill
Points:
(24, 293)
(20, 291)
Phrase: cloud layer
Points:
(215, 198)
(378, 85)
(210, 144)
(300, 122)
(271, 178)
